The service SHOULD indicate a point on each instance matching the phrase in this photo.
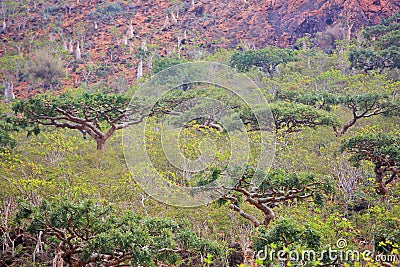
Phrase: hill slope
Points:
(111, 32)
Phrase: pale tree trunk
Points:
(20, 48)
(140, 69)
(101, 144)
(165, 22)
(179, 47)
(71, 47)
(130, 30)
(8, 90)
(150, 64)
(78, 55)
(125, 40)
(130, 49)
(144, 45)
(173, 18)
(349, 29)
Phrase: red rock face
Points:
(281, 22)
(226, 23)
(177, 26)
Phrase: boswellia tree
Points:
(289, 117)
(360, 106)
(89, 234)
(6, 128)
(278, 187)
(383, 150)
(366, 105)
(266, 59)
(381, 49)
(98, 115)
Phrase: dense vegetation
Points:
(69, 200)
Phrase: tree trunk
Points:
(165, 22)
(8, 90)
(140, 69)
(65, 46)
(346, 127)
(380, 186)
(150, 64)
(101, 144)
(125, 40)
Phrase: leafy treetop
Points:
(382, 48)
(382, 149)
(88, 233)
(96, 114)
(277, 187)
(266, 59)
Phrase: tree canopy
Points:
(382, 46)
(277, 187)
(266, 59)
(382, 149)
(96, 114)
(89, 233)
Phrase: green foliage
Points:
(369, 104)
(377, 147)
(382, 48)
(387, 234)
(9, 127)
(321, 100)
(166, 62)
(94, 233)
(286, 234)
(110, 9)
(278, 188)
(382, 149)
(286, 231)
(11, 64)
(96, 114)
(267, 59)
(365, 59)
(290, 117)
(96, 106)
(361, 105)
(308, 183)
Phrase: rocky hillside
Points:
(113, 34)
(253, 21)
